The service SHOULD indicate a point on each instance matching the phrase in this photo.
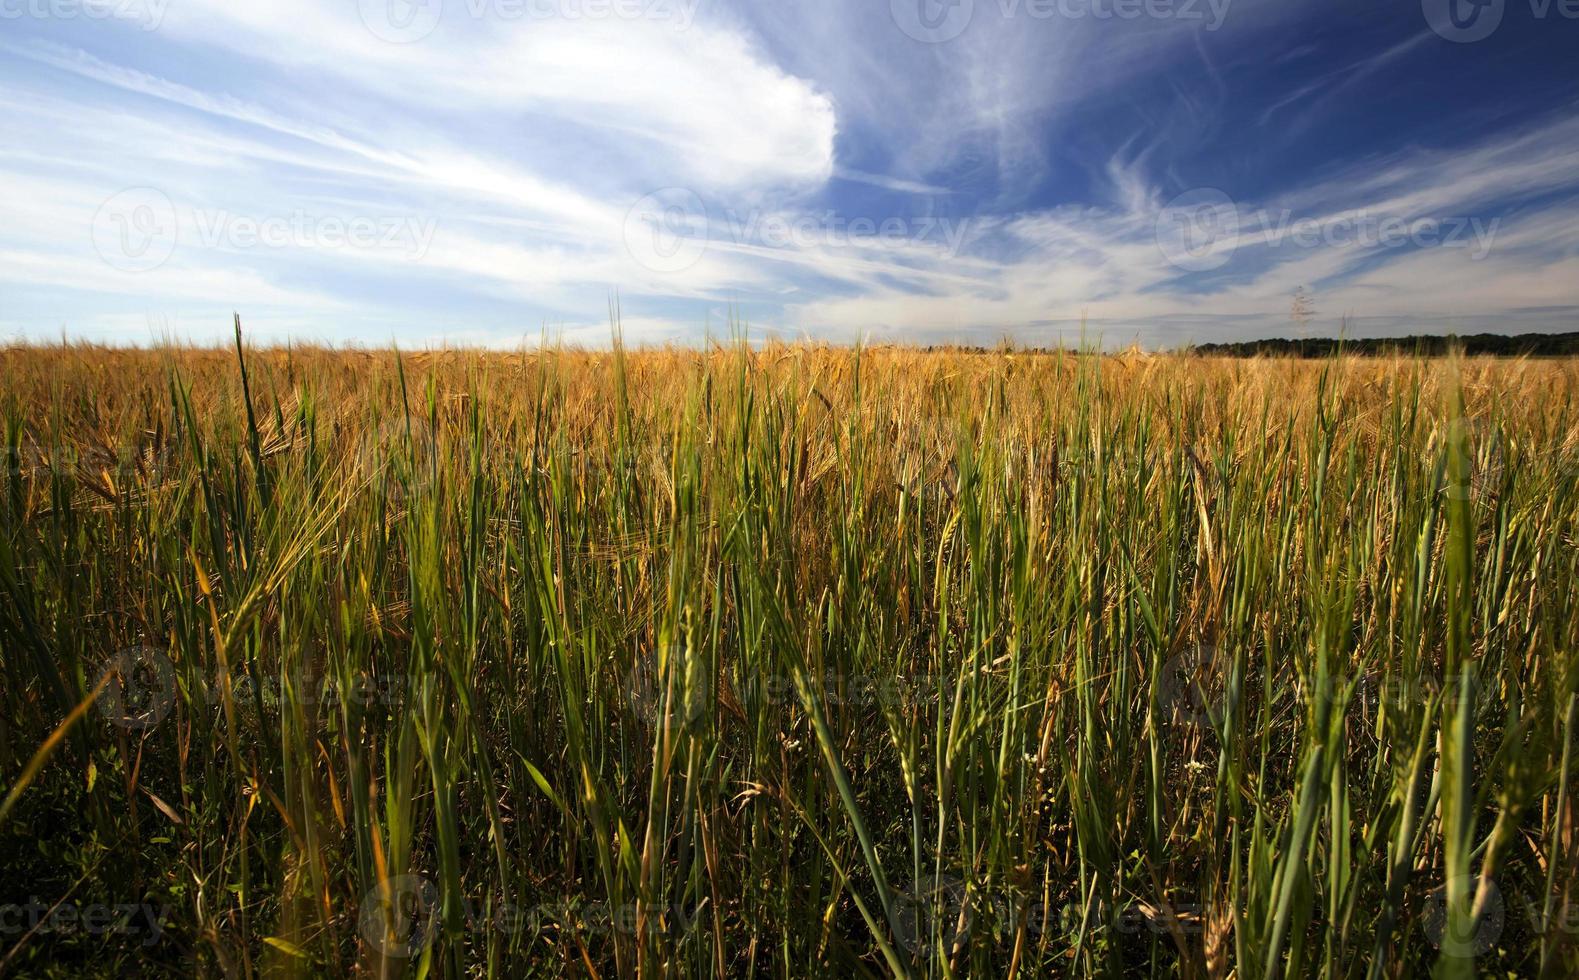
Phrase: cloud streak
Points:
(807, 164)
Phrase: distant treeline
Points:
(1482, 344)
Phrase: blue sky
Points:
(494, 171)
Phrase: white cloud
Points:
(702, 96)
(1105, 264)
(523, 145)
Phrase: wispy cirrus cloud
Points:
(499, 170)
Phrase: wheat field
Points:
(786, 661)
